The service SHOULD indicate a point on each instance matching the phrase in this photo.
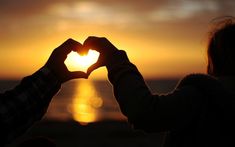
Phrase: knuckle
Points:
(103, 38)
(91, 37)
(69, 40)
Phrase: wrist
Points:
(118, 57)
(50, 72)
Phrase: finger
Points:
(100, 44)
(64, 49)
(78, 74)
(68, 46)
(92, 68)
(87, 45)
(91, 42)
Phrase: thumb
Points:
(93, 67)
(78, 74)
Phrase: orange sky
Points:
(164, 38)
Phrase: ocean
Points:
(87, 101)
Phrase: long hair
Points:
(221, 48)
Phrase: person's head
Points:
(221, 49)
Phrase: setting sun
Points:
(76, 62)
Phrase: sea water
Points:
(88, 101)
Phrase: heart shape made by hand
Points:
(76, 62)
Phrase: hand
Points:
(56, 61)
(101, 45)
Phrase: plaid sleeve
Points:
(26, 103)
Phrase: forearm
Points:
(144, 110)
(131, 92)
(27, 102)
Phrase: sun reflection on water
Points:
(85, 103)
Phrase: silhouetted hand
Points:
(101, 45)
(56, 61)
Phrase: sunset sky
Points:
(164, 38)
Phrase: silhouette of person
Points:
(200, 111)
(28, 102)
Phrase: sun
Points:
(76, 62)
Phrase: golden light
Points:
(76, 62)
(85, 104)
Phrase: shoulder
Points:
(201, 82)
(198, 77)
(206, 84)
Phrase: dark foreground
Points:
(105, 134)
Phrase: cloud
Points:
(119, 13)
(155, 9)
(15, 8)
(181, 9)
(93, 12)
